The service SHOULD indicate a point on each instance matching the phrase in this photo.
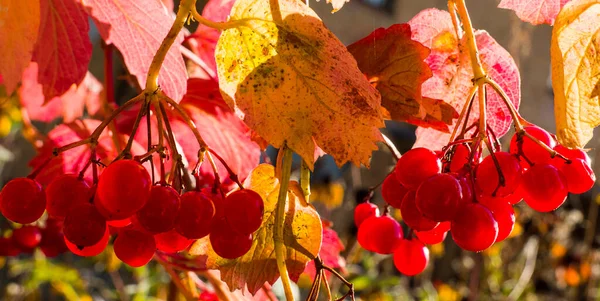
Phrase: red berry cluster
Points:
(458, 190)
(144, 217)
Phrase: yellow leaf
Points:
(302, 237)
(331, 194)
(576, 71)
(291, 80)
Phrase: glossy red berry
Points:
(569, 153)
(363, 211)
(579, 176)
(172, 242)
(412, 216)
(460, 157)
(379, 234)
(504, 215)
(435, 235)
(135, 248)
(123, 189)
(226, 242)
(22, 200)
(411, 257)
(93, 250)
(474, 227)
(84, 225)
(417, 165)
(438, 197)
(526, 147)
(488, 179)
(466, 187)
(544, 188)
(8, 247)
(392, 191)
(53, 243)
(195, 216)
(64, 192)
(160, 211)
(27, 237)
(244, 211)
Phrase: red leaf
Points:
(535, 11)
(137, 30)
(331, 247)
(450, 63)
(63, 50)
(394, 65)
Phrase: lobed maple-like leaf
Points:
(331, 247)
(292, 81)
(137, 28)
(451, 68)
(17, 38)
(302, 237)
(575, 72)
(535, 11)
(63, 49)
(394, 64)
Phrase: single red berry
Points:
(526, 147)
(244, 211)
(123, 189)
(64, 192)
(438, 197)
(84, 225)
(208, 296)
(90, 251)
(119, 223)
(569, 153)
(544, 188)
(364, 211)
(8, 247)
(487, 177)
(172, 242)
(379, 234)
(411, 257)
(27, 237)
(196, 215)
(417, 165)
(579, 176)
(460, 157)
(435, 235)
(22, 200)
(226, 242)
(53, 242)
(474, 227)
(392, 191)
(412, 216)
(504, 214)
(135, 248)
(466, 186)
(160, 211)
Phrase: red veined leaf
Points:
(535, 11)
(394, 64)
(63, 49)
(17, 38)
(137, 30)
(450, 64)
(330, 252)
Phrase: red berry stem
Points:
(232, 175)
(36, 171)
(464, 114)
(501, 179)
(150, 146)
(319, 266)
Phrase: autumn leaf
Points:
(302, 237)
(576, 72)
(336, 4)
(292, 81)
(63, 49)
(137, 31)
(394, 64)
(17, 38)
(535, 11)
(451, 68)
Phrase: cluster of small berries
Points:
(471, 196)
(144, 217)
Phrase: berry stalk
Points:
(285, 170)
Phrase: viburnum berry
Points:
(417, 165)
(438, 197)
(533, 152)
(196, 215)
(474, 227)
(244, 210)
(544, 188)
(27, 237)
(8, 247)
(379, 234)
(503, 214)
(579, 176)
(64, 192)
(226, 242)
(460, 157)
(363, 211)
(84, 225)
(53, 243)
(411, 257)
(569, 153)
(93, 250)
(135, 248)
(435, 235)
(22, 200)
(160, 211)
(172, 242)
(487, 177)
(392, 191)
(412, 216)
(123, 189)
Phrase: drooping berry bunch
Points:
(144, 217)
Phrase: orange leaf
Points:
(292, 81)
(394, 64)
